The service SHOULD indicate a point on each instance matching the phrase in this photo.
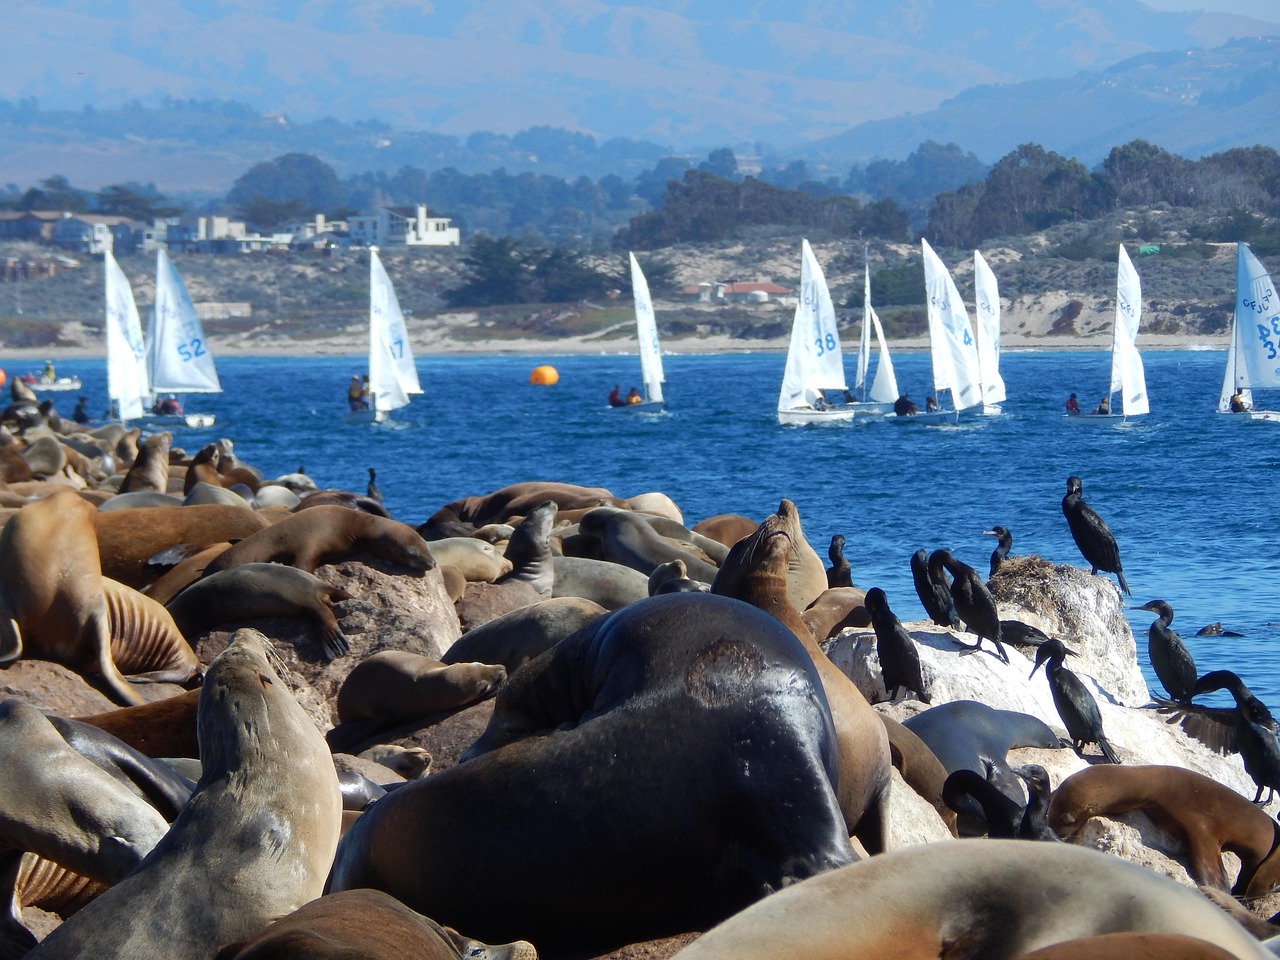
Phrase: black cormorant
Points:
(899, 658)
(972, 599)
(1076, 706)
(1033, 825)
(934, 593)
(1254, 730)
(372, 490)
(967, 791)
(1173, 664)
(1091, 533)
(840, 574)
(1002, 549)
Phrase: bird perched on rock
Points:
(840, 574)
(372, 489)
(973, 601)
(1076, 706)
(1034, 825)
(1091, 533)
(1001, 552)
(899, 658)
(1247, 728)
(1174, 666)
(934, 590)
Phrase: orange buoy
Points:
(3, 378)
(544, 376)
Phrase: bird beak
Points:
(1033, 670)
(990, 533)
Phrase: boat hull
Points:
(803, 416)
(1262, 416)
(933, 417)
(651, 406)
(167, 420)
(871, 409)
(366, 416)
(1097, 418)
(53, 386)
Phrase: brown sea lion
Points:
(53, 602)
(477, 560)
(632, 540)
(461, 517)
(756, 571)
(1205, 815)
(326, 535)
(146, 644)
(400, 686)
(1132, 946)
(253, 844)
(127, 539)
(835, 609)
(368, 925)
(255, 590)
(920, 768)
(726, 528)
(989, 899)
(183, 573)
(515, 638)
(529, 550)
(163, 728)
(203, 469)
(150, 472)
(339, 498)
(694, 683)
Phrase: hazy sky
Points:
(1261, 9)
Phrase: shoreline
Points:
(429, 346)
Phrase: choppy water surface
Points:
(1186, 491)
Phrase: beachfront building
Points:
(95, 233)
(759, 291)
(403, 227)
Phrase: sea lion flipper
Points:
(332, 640)
(15, 939)
(10, 639)
(99, 647)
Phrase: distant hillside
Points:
(1191, 102)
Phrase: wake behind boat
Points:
(814, 360)
(1253, 358)
(1127, 374)
(393, 375)
(650, 349)
(178, 355)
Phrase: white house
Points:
(403, 226)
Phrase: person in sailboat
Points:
(930, 404)
(903, 407)
(167, 406)
(1072, 406)
(1238, 403)
(1104, 407)
(355, 395)
(633, 396)
(81, 413)
(615, 396)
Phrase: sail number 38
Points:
(825, 343)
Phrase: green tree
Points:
(296, 177)
(126, 201)
(721, 163)
(55, 193)
(496, 273)
(267, 214)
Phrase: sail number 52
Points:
(189, 351)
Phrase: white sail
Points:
(1253, 359)
(177, 352)
(884, 386)
(1127, 374)
(126, 351)
(392, 373)
(814, 360)
(951, 346)
(647, 335)
(986, 315)
(864, 341)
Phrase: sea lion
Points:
(150, 472)
(206, 493)
(609, 584)
(139, 498)
(398, 686)
(630, 539)
(835, 609)
(163, 728)
(922, 771)
(529, 550)
(256, 590)
(339, 498)
(726, 528)
(461, 517)
(127, 539)
(968, 735)
(253, 843)
(994, 899)
(146, 644)
(717, 694)
(1131, 946)
(53, 598)
(328, 534)
(1205, 815)
(673, 577)
(476, 560)
(756, 571)
(515, 638)
(370, 925)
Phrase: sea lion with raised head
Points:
(529, 550)
(254, 842)
(328, 534)
(701, 688)
(756, 571)
(150, 472)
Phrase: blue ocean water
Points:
(1186, 491)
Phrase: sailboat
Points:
(814, 361)
(952, 351)
(986, 315)
(884, 387)
(393, 376)
(178, 355)
(1253, 358)
(1127, 373)
(650, 349)
(127, 386)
